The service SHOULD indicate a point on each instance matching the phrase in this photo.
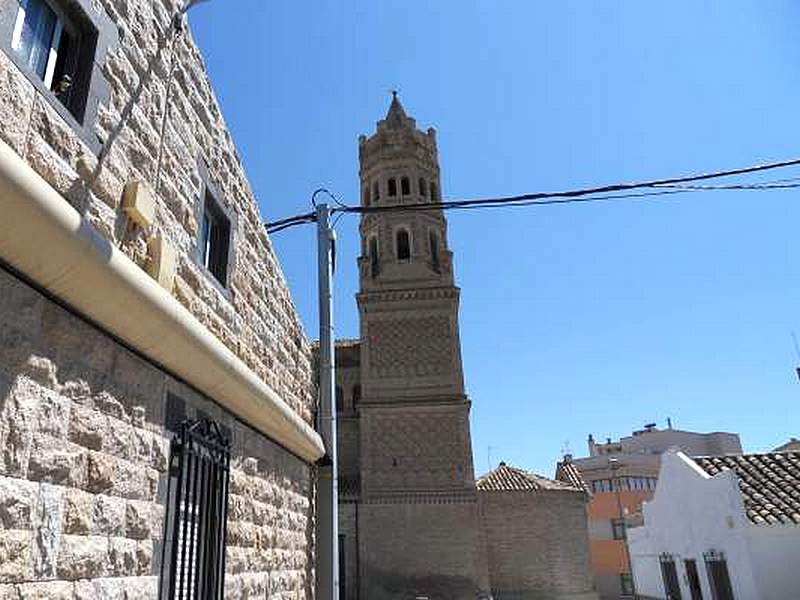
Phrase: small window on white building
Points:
(392, 186)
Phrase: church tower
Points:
(418, 512)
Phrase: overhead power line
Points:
(655, 187)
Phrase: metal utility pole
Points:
(328, 487)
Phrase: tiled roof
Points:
(567, 472)
(510, 479)
(769, 483)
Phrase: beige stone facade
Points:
(413, 524)
(88, 421)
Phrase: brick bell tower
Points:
(419, 522)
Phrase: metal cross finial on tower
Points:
(394, 94)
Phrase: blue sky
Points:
(580, 318)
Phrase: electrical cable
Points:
(601, 193)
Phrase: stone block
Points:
(144, 557)
(54, 412)
(16, 102)
(48, 525)
(15, 555)
(101, 472)
(47, 590)
(160, 453)
(17, 503)
(108, 516)
(18, 419)
(122, 557)
(88, 427)
(57, 461)
(118, 439)
(139, 519)
(82, 557)
(78, 512)
(142, 442)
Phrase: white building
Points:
(721, 527)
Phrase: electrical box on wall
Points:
(138, 202)
(162, 261)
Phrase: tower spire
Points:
(396, 111)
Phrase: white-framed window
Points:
(49, 45)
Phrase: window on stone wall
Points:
(392, 186)
(434, 192)
(374, 264)
(434, 243)
(356, 395)
(405, 186)
(57, 48)
(197, 503)
(376, 191)
(403, 245)
(215, 233)
(366, 195)
(423, 188)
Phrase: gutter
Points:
(44, 238)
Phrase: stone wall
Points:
(537, 544)
(162, 125)
(84, 448)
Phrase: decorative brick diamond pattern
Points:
(411, 347)
(423, 450)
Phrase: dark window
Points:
(403, 245)
(718, 576)
(405, 186)
(669, 576)
(423, 188)
(57, 50)
(376, 191)
(356, 395)
(626, 584)
(392, 187)
(339, 398)
(434, 192)
(618, 529)
(693, 578)
(366, 195)
(215, 239)
(197, 506)
(434, 243)
(374, 265)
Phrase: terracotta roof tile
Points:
(510, 479)
(567, 472)
(769, 483)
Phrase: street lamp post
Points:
(615, 465)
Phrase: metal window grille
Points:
(718, 576)
(669, 575)
(197, 513)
